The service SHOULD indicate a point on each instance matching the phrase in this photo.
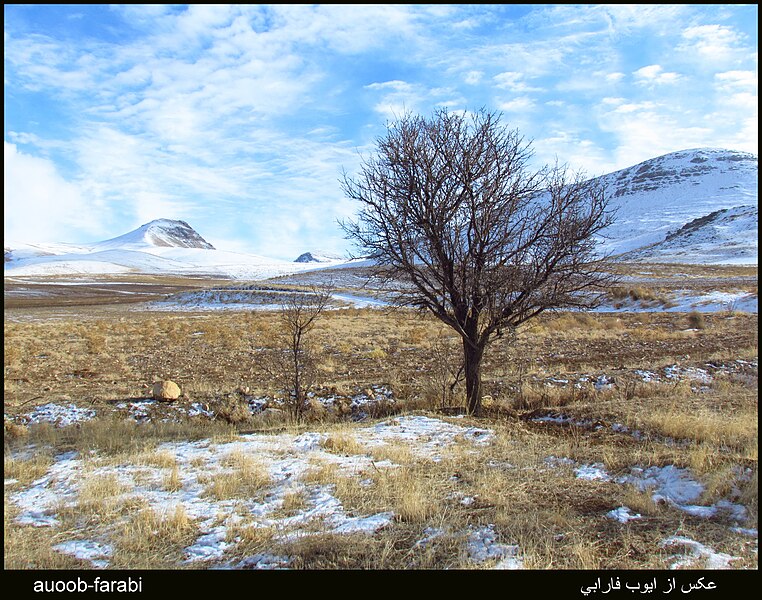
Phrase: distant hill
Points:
(163, 246)
(660, 197)
(318, 257)
(164, 233)
(726, 236)
(693, 206)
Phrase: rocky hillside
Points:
(685, 192)
(161, 233)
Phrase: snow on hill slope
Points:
(319, 257)
(163, 246)
(163, 233)
(693, 206)
(659, 197)
(726, 236)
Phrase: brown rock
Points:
(166, 390)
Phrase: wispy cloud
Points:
(51, 206)
(655, 75)
(714, 43)
(239, 118)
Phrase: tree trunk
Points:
(472, 366)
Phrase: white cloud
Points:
(623, 107)
(655, 74)
(520, 104)
(23, 137)
(646, 129)
(398, 98)
(580, 153)
(40, 205)
(712, 43)
(737, 79)
(514, 82)
(346, 29)
(658, 17)
(473, 77)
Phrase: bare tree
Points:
(452, 210)
(294, 367)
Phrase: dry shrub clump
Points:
(232, 409)
(342, 443)
(172, 481)
(696, 320)
(152, 539)
(246, 477)
(26, 470)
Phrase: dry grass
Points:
(25, 548)
(294, 502)
(100, 493)
(249, 539)
(100, 359)
(246, 477)
(26, 470)
(321, 472)
(398, 453)
(342, 443)
(173, 482)
(151, 539)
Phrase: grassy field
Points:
(610, 441)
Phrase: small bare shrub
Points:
(696, 320)
(232, 409)
(293, 366)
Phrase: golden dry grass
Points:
(98, 360)
(246, 477)
(152, 539)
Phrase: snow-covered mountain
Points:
(319, 257)
(726, 236)
(692, 206)
(163, 233)
(162, 246)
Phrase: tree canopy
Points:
(451, 208)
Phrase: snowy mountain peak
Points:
(685, 167)
(318, 257)
(684, 192)
(161, 233)
(692, 206)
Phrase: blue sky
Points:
(239, 119)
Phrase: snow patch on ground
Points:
(623, 515)
(483, 547)
(261, 562)
(696, 555)
(595, 472)
(430, 436)
(287, 457)
(689, 301)
(668, 484)
(90, 550)
(60, 416)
